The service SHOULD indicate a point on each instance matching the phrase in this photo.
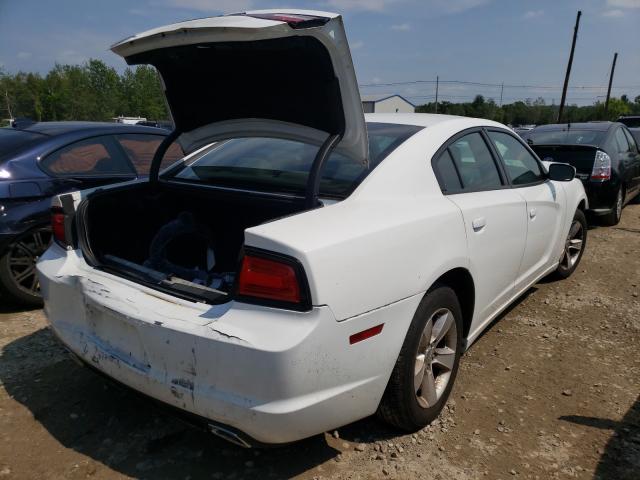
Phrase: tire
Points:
(18, 279)
(404, 406)
(613, 218)
(573, 251)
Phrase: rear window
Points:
(278, 165)
(12, 140)
(566, 137)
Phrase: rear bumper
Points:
(601, 196)
(274, 376)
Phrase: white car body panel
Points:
(495, 244)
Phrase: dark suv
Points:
(605, 156)
(39, 160)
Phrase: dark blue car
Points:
(39, 160)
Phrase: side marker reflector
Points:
(363, 335)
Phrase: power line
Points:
(497, 85)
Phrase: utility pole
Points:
(613, 69)
(501, 92)
(437, 84)
(566, 78)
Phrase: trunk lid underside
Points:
(257, 66)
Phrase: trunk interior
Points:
(182, 239)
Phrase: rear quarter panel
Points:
(391, 239)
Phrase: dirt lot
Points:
(550, 391)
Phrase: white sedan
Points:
(305, 266)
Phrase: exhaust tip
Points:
(228, 435)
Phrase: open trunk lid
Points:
(581, 157)
(284, 73)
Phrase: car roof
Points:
(429, 120)
(62, 128)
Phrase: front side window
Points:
(474, 163)
(90, 157)
(279, 165)
(522, 167)
(140, 149)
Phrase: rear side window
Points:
(621, 141)
(474, 163)
(521, 166)
(446, 173)
(93, 156)
(140, 149)
(632, 141)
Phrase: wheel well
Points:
(582, 205)
(461, 282)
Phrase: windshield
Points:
(12, 140)
(279, 165)
(565, 137)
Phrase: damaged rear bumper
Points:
(272, 376)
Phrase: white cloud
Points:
(616, 13)
(223, 6)
(534, 13)
(356, 45)
(403, 27)
(624, 3)
(24, 55)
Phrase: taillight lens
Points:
(271, 279)
(57, 226)
(601, 167)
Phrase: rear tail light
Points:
(601, 167)
(273, 280)
(58, 228)
(294, 20)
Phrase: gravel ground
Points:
(550, 391)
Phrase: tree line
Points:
(535, 112)
(91, 91)
(95, 91)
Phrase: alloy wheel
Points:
(436, 357)
(23, 255)
(573, 245)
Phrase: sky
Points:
(515, 42)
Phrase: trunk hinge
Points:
(313, 183)
(154, 170)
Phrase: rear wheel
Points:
(574, 246)
(427, 365)
(613, 217)
(18, 278)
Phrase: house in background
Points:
(386, 103)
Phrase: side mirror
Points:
(561, 172)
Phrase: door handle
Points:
(532, 213)
(478, 223)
